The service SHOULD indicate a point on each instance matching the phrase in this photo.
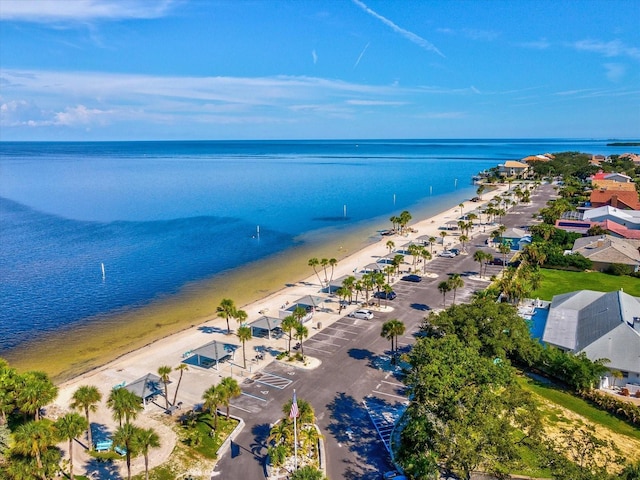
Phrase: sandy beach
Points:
(171, 350)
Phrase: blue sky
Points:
(299, 69)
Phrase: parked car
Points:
(385, 296)
(363, 314)
(447, 254)
(496, 261)
(412, 278)
(455, 250)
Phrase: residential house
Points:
(626, 218)
(583, 226)
(613, 176)
(513, 168)
(634, 157)
(626, 200)
(606, 250)
(516, 238)
(602, 325)
(605, 184)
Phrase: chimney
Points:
(614, 200)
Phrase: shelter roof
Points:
(607, 249)
(515, 164)
(145, 387)
(215, 350)
(266, 323)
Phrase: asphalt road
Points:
(355, 368)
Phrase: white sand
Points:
(170, 350)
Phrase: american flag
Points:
(293, 413)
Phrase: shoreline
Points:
(76, 351)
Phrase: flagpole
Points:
(295, 443)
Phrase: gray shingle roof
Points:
(597, 323)
(607, 249)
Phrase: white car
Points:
(447, 253)
(363, 314)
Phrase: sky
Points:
(318, 69)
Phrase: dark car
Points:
(412, 278)
(455, 251)
(385, 296)
(496, 261)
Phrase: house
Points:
(583, 226)
(516, 238)
(627, 200)
(627, 218)
(606, 250)
(634, 157)
(513, 168)
(606, 184)
(538, 158)
(602, 325)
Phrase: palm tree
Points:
(299, 313)
(342, 293)
(230, 389)
(164, 372)
(426, 255)
(480, 190)
(145, 440)
(244, 335)
(455, 282)
(288, 324)
(125, 436)
(183, 367)
(461, 209)
(390, 245)
(226, 309)
(125, 405)
(280, 434)
(302, 332)
(69, 427)
(86, 398)
(332, 263)
(389, 269)
(240, 316)
(432, 241)
(504, 249)
(324, 263)
(397, 261)
(213, 396)
(33, 439)
(349, 284)
(443, 235)
(391, 330)
(463, 240)
(313, 263)
(36, 391)
(478, 256)
(444, 287)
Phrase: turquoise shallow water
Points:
(159, 215)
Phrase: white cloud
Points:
(541, 44)
(361, 55)
(615, 71)
(405, 33)
(45, 11)
(314, 55)
(614, 48)
(471, 33)
(375, 102)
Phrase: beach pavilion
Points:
(309, 302)
(147, 387)
(265, 324)
(337, 283)
(211, 354)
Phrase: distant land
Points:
(624, 144)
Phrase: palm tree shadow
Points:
(351, 426)
(97, 468)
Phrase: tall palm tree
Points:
(213, 396)
(226, 310)
(125, 405)
(426, 255)
(86, 398)
(444, 287)
(504, 249)
(164, 372)
(8, 381)
(455, 282)
(463, 240)
(390, 245)
(324, 263)
(397, 261)
(288, 324)
(145, 440)
(313, 263)
(35, 391)
(183, 367)
(443, 236)
(349, 284)
(33, 439)
(125, 436)
(69, 427)
(432, 241)
(342, 293)
(391, 330)
(461, 209)
(302, 332)
(244, 335)
(332, 263)
(478, 256)
(231, 390)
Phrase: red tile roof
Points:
(616, 198)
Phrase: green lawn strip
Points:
(580, 407)
(555, 282)
(211, 443)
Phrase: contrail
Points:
(361, 55)
(405, 33)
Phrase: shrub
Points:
(619, 269)
(625, 392)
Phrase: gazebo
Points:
(309, 302)
(211, 354)
(146, 387)
(264, 323)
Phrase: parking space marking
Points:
(272, 380)
(390, 395)
(254, 397)
(319, 350)
(240, 408)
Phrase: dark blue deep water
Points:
(160, 215)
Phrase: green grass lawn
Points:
(555, 282)
(580, 406)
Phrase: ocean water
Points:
(160, 215)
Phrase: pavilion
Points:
(265, 324)
(211, 354)
(146, 387)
